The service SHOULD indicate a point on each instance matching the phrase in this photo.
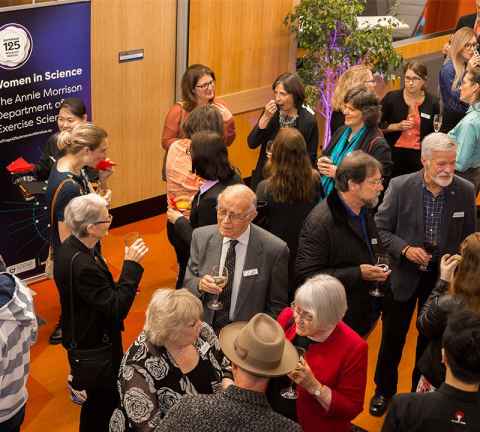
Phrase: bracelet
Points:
(405, 250)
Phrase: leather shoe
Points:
(378, 405)
(56, 336)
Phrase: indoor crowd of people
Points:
(282, 274)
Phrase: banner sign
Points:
(44, 58)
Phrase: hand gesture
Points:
(405, 125)
(173, 215)
(226, 113)
(418, 255)
(448, 264)
(303, 376)
(270, 109)
(207, 284)
(374, 273)
(326, 166)
(136, 251)
(474, 61)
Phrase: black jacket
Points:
(331, 243)
(466, 21)
(431, 323)
(306, 123)
(204, 210)
(394, 110)
(372, 143)
(99, 303)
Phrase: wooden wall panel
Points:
(247, 45)
(130, 99)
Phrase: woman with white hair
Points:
(331, 377)
(175, 354)
(94, 305)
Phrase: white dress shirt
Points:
(240, 255)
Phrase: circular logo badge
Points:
(15, 46)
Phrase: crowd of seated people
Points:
(379, 225)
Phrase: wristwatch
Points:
(318, 391)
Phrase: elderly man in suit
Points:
(257, 262)
(424, 215)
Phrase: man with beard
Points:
(424, 215)
(339, 237)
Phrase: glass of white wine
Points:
(220, 276)
(437, 122)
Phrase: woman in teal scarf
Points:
(360, 132)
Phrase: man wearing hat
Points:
(258, 351)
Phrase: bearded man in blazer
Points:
(424, 215)
(257, 262)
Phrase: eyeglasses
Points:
(110, 217)
(188, 151)
(206, 85)
(234, 217)
(372, 81)
(471, 45)
(304, 316)
(376, 182)
(412, 79)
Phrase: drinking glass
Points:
(437, 122)
(220, 276)
(430, 249)
(383, 262)
(290, 392)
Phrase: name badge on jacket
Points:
(251, 272)
(458, 214)
(425, 115)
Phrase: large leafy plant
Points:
(330, 40)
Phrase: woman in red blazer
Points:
(331, 377)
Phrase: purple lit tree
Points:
(330, 41)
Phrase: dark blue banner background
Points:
(60, 45)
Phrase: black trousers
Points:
(396, 322)
(182, 250)
(98, 408)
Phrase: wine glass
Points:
(430, 249)
(383, 262)
(290, 392)
(220, 276)
(437, 122)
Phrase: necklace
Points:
(287, 121)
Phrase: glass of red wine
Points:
(430, 248)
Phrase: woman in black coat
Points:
(451, 293)
(360, 132)
(289, 194)
(93, 304)
(407, 117)
(210, 162)
(284, 111)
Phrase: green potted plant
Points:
(331, 40)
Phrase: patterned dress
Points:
(150, 382)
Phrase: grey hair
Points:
(168, 310)
(437, 141)
(82, 211)
(323, 296)
(239, 189)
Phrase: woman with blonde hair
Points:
(354, 76)
(84, 145)
(458, 287)
(176, 354)
(461, 57)
(290, 193)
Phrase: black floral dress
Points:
(150, 382)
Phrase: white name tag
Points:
(458, 214)
(374, 241)
(204, 348)
(251, 272)
(425, 115)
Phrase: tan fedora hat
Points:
(259, 346)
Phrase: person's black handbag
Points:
(90, 368)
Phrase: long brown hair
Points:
(292, 178)
(189, 80)
(466, 282)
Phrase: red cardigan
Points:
(340, 362)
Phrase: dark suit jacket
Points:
(266, 291)
(400, 222)
(99, 304)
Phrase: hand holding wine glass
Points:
(383, 263)
(437, 122)
(219, 275)
(290, 392)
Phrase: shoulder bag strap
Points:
(73, 343)
(55, 196)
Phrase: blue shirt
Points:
(451, 98)
(467, 136)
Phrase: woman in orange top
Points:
(182, 183)
(198, 89)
